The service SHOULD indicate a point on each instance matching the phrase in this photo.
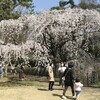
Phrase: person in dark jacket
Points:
(69, 80)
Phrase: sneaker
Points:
(64, 97)
(74, 96)
(48, 89)
(51, 89)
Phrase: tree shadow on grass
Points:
(58, 89)
(42, 89)
(56, 84)
(57, 95)
(68, 97)
(94, 86)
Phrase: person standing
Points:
(51, 77)
(61, 70)
(77, 87)
(60, 73)
(69, 80)
(1, 70)
(20, 70)
(39, 72)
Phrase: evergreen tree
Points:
(7, 8)
(90, 4)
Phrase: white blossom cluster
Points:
(11, 51)
(61, 24)
(10, 28)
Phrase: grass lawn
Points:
(36, 88)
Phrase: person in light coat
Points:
(51, 77)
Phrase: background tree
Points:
(53, 35)
(94, 46)
(89, 1)
(9, 8)
(90, 4)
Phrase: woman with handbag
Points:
(69, 80)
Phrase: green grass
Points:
(29, 81)
(97, 85)
(21, 83)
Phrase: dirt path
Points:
(41, 93)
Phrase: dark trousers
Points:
(77, 93)
(66, 87)
(60, 78)
(51, 83)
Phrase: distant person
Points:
(1, 70)
(69, 80)
(77, 87)
(60, 73)
(39, 72)
(20, 70)
(51, 77)
(61, 70)
(23, 71)
(47, 67)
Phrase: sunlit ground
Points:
(38, 90)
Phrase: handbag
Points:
(63, 78)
